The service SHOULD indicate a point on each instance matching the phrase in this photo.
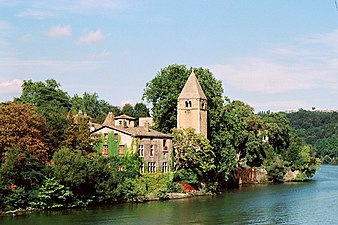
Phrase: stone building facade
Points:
(120, 136)
(192, 106)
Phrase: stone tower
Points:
(192, 107)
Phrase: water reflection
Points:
(313, 202)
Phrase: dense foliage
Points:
(238, 137)
(320, 129)
(46, 155)
(49, 158)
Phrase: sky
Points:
(272, 55)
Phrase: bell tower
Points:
(192, 106)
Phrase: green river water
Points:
(313, 202)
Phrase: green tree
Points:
(193, 152)
(52, 195)
(93, 106)
(53, 104)
(128, 109)
(279, 131)
(162, 92)
(78, 136)
(140, 110)
(327, 147)
(313, 126)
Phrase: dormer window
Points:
(188, 104)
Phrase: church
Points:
(120, 135)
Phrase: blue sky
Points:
(273, 55)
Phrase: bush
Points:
(52, 195)
(276, 167)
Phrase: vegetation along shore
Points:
(50, 157)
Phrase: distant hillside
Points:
(319, 129)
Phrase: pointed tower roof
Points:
(192, 89)
(109, 121)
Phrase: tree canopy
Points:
(22, 127)
(162, 92)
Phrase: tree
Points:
(237, 138)
(327, 147)
(91, 105)
(140, 110)
(21, 126)
(52, 103)
(128, 109)
(279, 131)
(193, 152)
(38, 93)
(78, 137)
(162, 92)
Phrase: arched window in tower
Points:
(188, 104)
(203, 105)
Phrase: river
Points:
(313, 202)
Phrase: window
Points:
(151, 167)
(165, 167)
(152, 150)
(105, 136)
(105, 151)
(120, 122)
(119, 168)
(141, 150)
(141, 168)
(203, 105)
(116, 136)
(121, 150)
(188, 104)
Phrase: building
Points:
(192, 106)
(120, 136)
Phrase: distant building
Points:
(312, 110)
(192, 107)
(120, 136)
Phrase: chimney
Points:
(146, 126)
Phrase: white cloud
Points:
(92, 37)
(10, 86)
(45, 66)
(263, 75)
(36, 13)
(5, 25)
(98, 4)
(102, 54)
(301, 66)
(60, 31)
(301, 74)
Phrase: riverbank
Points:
(289, 203)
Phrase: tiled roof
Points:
(124, 116)
(143, 132)
(136, 131)
(192, 89)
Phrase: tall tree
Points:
(94, 107)
(53, 104)
(194, 153)
(128, 109)
(140, 110)
(162, 92)
(78, 137)
(22, 127)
